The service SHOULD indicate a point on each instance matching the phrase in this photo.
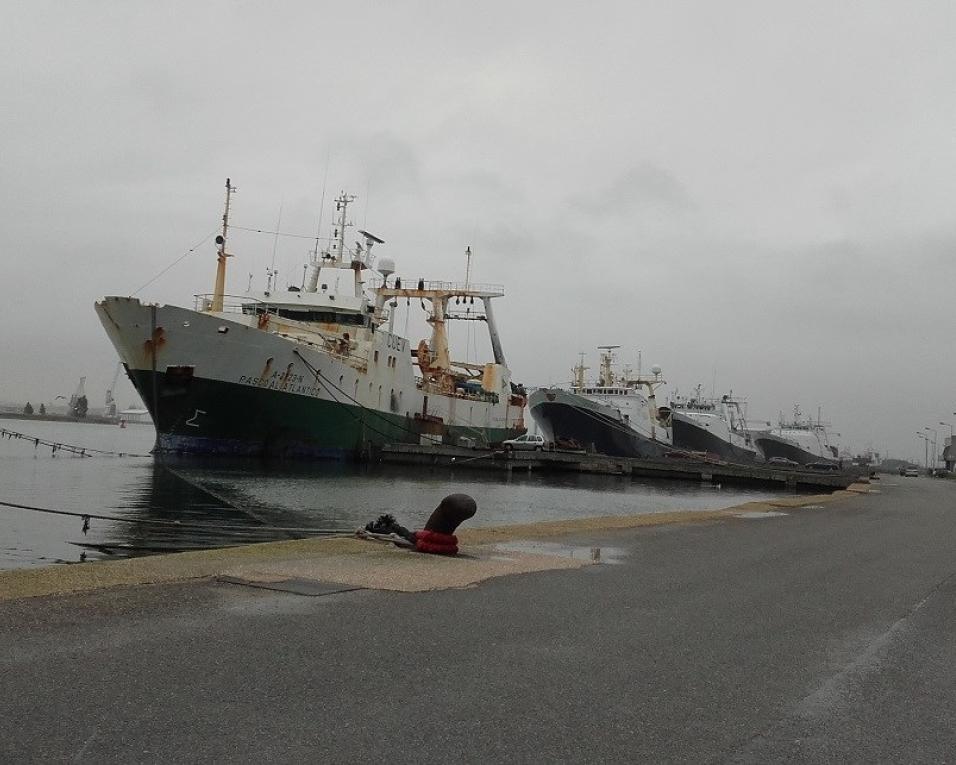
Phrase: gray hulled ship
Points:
(801, 440)
(612, 416)
(716, 427)
(316, 370)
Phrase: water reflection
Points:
(245, 501)
(236, 502)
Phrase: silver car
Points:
(527, 441)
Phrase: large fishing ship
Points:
(613, 416)
(315, 370)
(717, 427)
(801, 440)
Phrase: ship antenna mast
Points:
(341, 204)
(220, 288)
(578, 373)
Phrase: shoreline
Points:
(351, 561)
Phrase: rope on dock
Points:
(85, 517)
(56, 446)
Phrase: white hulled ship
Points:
(717, 427)
(316, 370)
(801, 440)
(613, 416)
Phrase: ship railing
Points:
(495, 290)
(231, 303)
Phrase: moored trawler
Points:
(716, 427)
(612, 416)
(800, 440)
(316, 370)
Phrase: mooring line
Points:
(56, 446)
(82, 451)
(169, 524)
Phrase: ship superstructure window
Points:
(375, 357)
(299, 314)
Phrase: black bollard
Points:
(451, 512)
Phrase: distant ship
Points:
(315, 370)
(613, 416)
(715, 426)
(801, 440)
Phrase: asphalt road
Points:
(825, 635)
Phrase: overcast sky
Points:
(757, 195)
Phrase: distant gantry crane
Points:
(78, 403)
(110, 401)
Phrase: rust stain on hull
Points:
(153, 345)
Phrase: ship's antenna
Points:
(275, 241)
(318, 230)
(467, 266)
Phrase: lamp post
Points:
(935, 440)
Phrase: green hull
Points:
(198, 416)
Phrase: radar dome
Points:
(386, 267)
(655, 370)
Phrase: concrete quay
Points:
(814, 629)
(671, 468)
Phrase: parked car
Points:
(822, 466)
(912, 473)
(526, 442)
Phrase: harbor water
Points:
(197, 504)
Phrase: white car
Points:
(527, 441)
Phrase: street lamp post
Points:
(935, 442)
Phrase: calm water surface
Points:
(247, 495)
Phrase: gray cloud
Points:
(759, 190)
(644, 189)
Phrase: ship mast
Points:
(220, 289)
(606, 379)
(578, 374)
